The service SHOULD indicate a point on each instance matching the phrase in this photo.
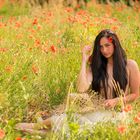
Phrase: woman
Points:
(108, 62)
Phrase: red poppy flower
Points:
(31, 36)
(35, 69)
(24, 77)
(17, 24)
(39, 27)
(2, 3)
(2, 134)
(114, 28)
(139, 114)
(8, 68)
(78, 6)
(128, 108)
(137, 119)
(121, 129)
(3, 49)
(37, 42)
(110, 39)
(35, 21)
(50, 14)
(53, 48)
(69, 10)
(18, 138)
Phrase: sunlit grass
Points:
(41, 57)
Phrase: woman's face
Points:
(107, 47)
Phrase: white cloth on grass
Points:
(87, 119)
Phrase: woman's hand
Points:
(111, 103)
(86, 52)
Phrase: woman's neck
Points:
(110, 61)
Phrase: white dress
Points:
(86, 118)
(89, 120)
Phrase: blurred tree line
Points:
(77, 3)
(80, 3)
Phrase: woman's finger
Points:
(108, 104)
(87, 48)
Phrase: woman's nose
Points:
(104, 50)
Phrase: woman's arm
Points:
(84, 79)
(85, 75)
(134, 81)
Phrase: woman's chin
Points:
(107, 56)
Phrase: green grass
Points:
(33, 78)
(14, 9)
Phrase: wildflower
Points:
(84, 22)
(2, 134)
(37, 42)
(81, 12)
(2, 3)
(128, 108)
(71, 19)
(30, 49)
(3, 49)
(78, 6)
(35, 21)
(91, 24)
(31, 36)
(137, 119)
(35, 69)
(1, 24)
(128, 17)
(139, 114)
(69, 10)
(110, 39)
(32, 31)
(114, 28)
(39, 27)
(53, 48)
(18, 138)
(8, 68)
(49, 14)
(121, 129)
(24, 77)
(17, 24)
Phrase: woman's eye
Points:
(107, 45)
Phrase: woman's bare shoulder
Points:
(132, 63)
(134, 76)
(132, 66)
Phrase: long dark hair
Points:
(99, 64)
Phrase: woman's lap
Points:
(91, 118)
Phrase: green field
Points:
(40, 57)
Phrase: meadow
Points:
(40, 58)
